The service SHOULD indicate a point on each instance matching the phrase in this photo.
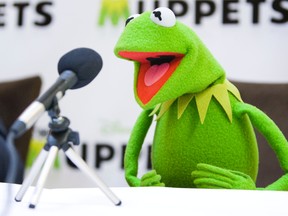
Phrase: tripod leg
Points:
(80, 163)
(43, 176)
(32, 175)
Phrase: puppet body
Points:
(204, 134)
(193, 143)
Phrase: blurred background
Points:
(249, 39)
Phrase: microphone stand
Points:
(60, 137)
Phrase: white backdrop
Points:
(104, 111)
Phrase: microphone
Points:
(76, 68)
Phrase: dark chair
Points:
(273, 100)
(15, 96)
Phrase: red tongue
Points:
(151, 78)
(155, 73)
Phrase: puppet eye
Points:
(163, 16)
(130, 18)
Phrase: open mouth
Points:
(155, 69)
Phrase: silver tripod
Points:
(60, 137)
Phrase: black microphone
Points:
(76, 68)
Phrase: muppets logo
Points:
(227, 11)
(114, 10)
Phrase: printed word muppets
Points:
(228, 10)
(21, 10)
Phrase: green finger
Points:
(151, 181)
(241, 174)
(149, 174)
(217, 170)
(203, 174)
(208, 186)
(212, 182)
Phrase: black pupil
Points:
(157, 14)
(128, 20)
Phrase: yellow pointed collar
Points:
(203, 99)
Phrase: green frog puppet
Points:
(204, 134)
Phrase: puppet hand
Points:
(151, 179)
(208, 176)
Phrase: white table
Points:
(149, 201)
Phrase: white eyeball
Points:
(163, 16)
(130, 18)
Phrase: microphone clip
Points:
(59, 127)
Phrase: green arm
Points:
(208, 176)
(273, 135)
(134, 147)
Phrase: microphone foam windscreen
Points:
(84, 62)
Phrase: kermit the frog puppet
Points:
(204, 133)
